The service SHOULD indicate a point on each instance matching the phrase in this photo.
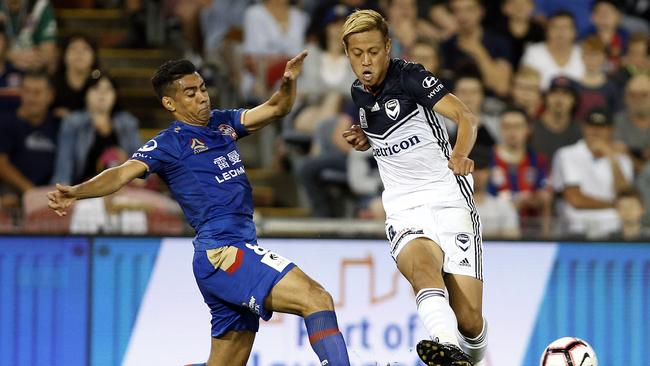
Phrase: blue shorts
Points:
(235, 280)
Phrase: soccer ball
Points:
(569, 351)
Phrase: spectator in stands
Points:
(90, 137)
(325, 81)
(578, 9)
(632, 126)
(187, 12)
(222, 24)
(406, 27)
(499, 217)
(558, 54)
(77, 66)
(595, 88)
(630, 211)
(437, 12)
(526, 92)
(326, 167)
(477, 46)
(10, 77)
(469, 89)
(319, 14)
(557, 126)
(606, 20)
(518, 173)
(520, 28)
(365, 183)
(589, 175)
(637, 59)
(426, 54)
(28, 139)
(31, 29)
(273, 31)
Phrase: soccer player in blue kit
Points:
(198, 159)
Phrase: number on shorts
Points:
(257, 249)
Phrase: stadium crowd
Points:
(561, 89)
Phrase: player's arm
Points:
(451, 107)
(281, 101)
(105, 183)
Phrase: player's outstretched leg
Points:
(420, 261)
(465, 296)
(298, 294)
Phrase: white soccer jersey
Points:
(408, 139)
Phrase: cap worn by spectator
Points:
(336, 13)
(600, 117)
(563, 83)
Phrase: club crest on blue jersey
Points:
(197, 145)
(392, 109)
(228, 130)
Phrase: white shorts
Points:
(454, 226)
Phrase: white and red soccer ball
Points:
(569, 351)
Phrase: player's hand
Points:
(292, 70)
(356, 138)
(61, 199)
(461, 165)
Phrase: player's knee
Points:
(318, 300)
(470, 322)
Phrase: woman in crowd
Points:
(79, 63)
(91, 136)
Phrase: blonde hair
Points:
(364, 21)
(527, 72)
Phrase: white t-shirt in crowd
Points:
(539, 58)
(498, 215)
(576, 166)
(264, 36)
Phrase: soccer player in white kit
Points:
(431, 221)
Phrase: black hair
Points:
(62, 68)
(516, 109)
(562, 13)
(95, 77)
(169, 72)
(40, 74)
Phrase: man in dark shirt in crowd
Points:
(474, 45)
(557, 127)
(28, 139)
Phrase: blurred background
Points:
(562, 180)
(544, 76)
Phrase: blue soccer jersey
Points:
(203, 168)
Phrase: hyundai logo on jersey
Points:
(429, 81)
(396, 148)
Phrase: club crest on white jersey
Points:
(392, 109)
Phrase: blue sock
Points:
(326, 339)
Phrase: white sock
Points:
(475, 347)
(437, 316)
